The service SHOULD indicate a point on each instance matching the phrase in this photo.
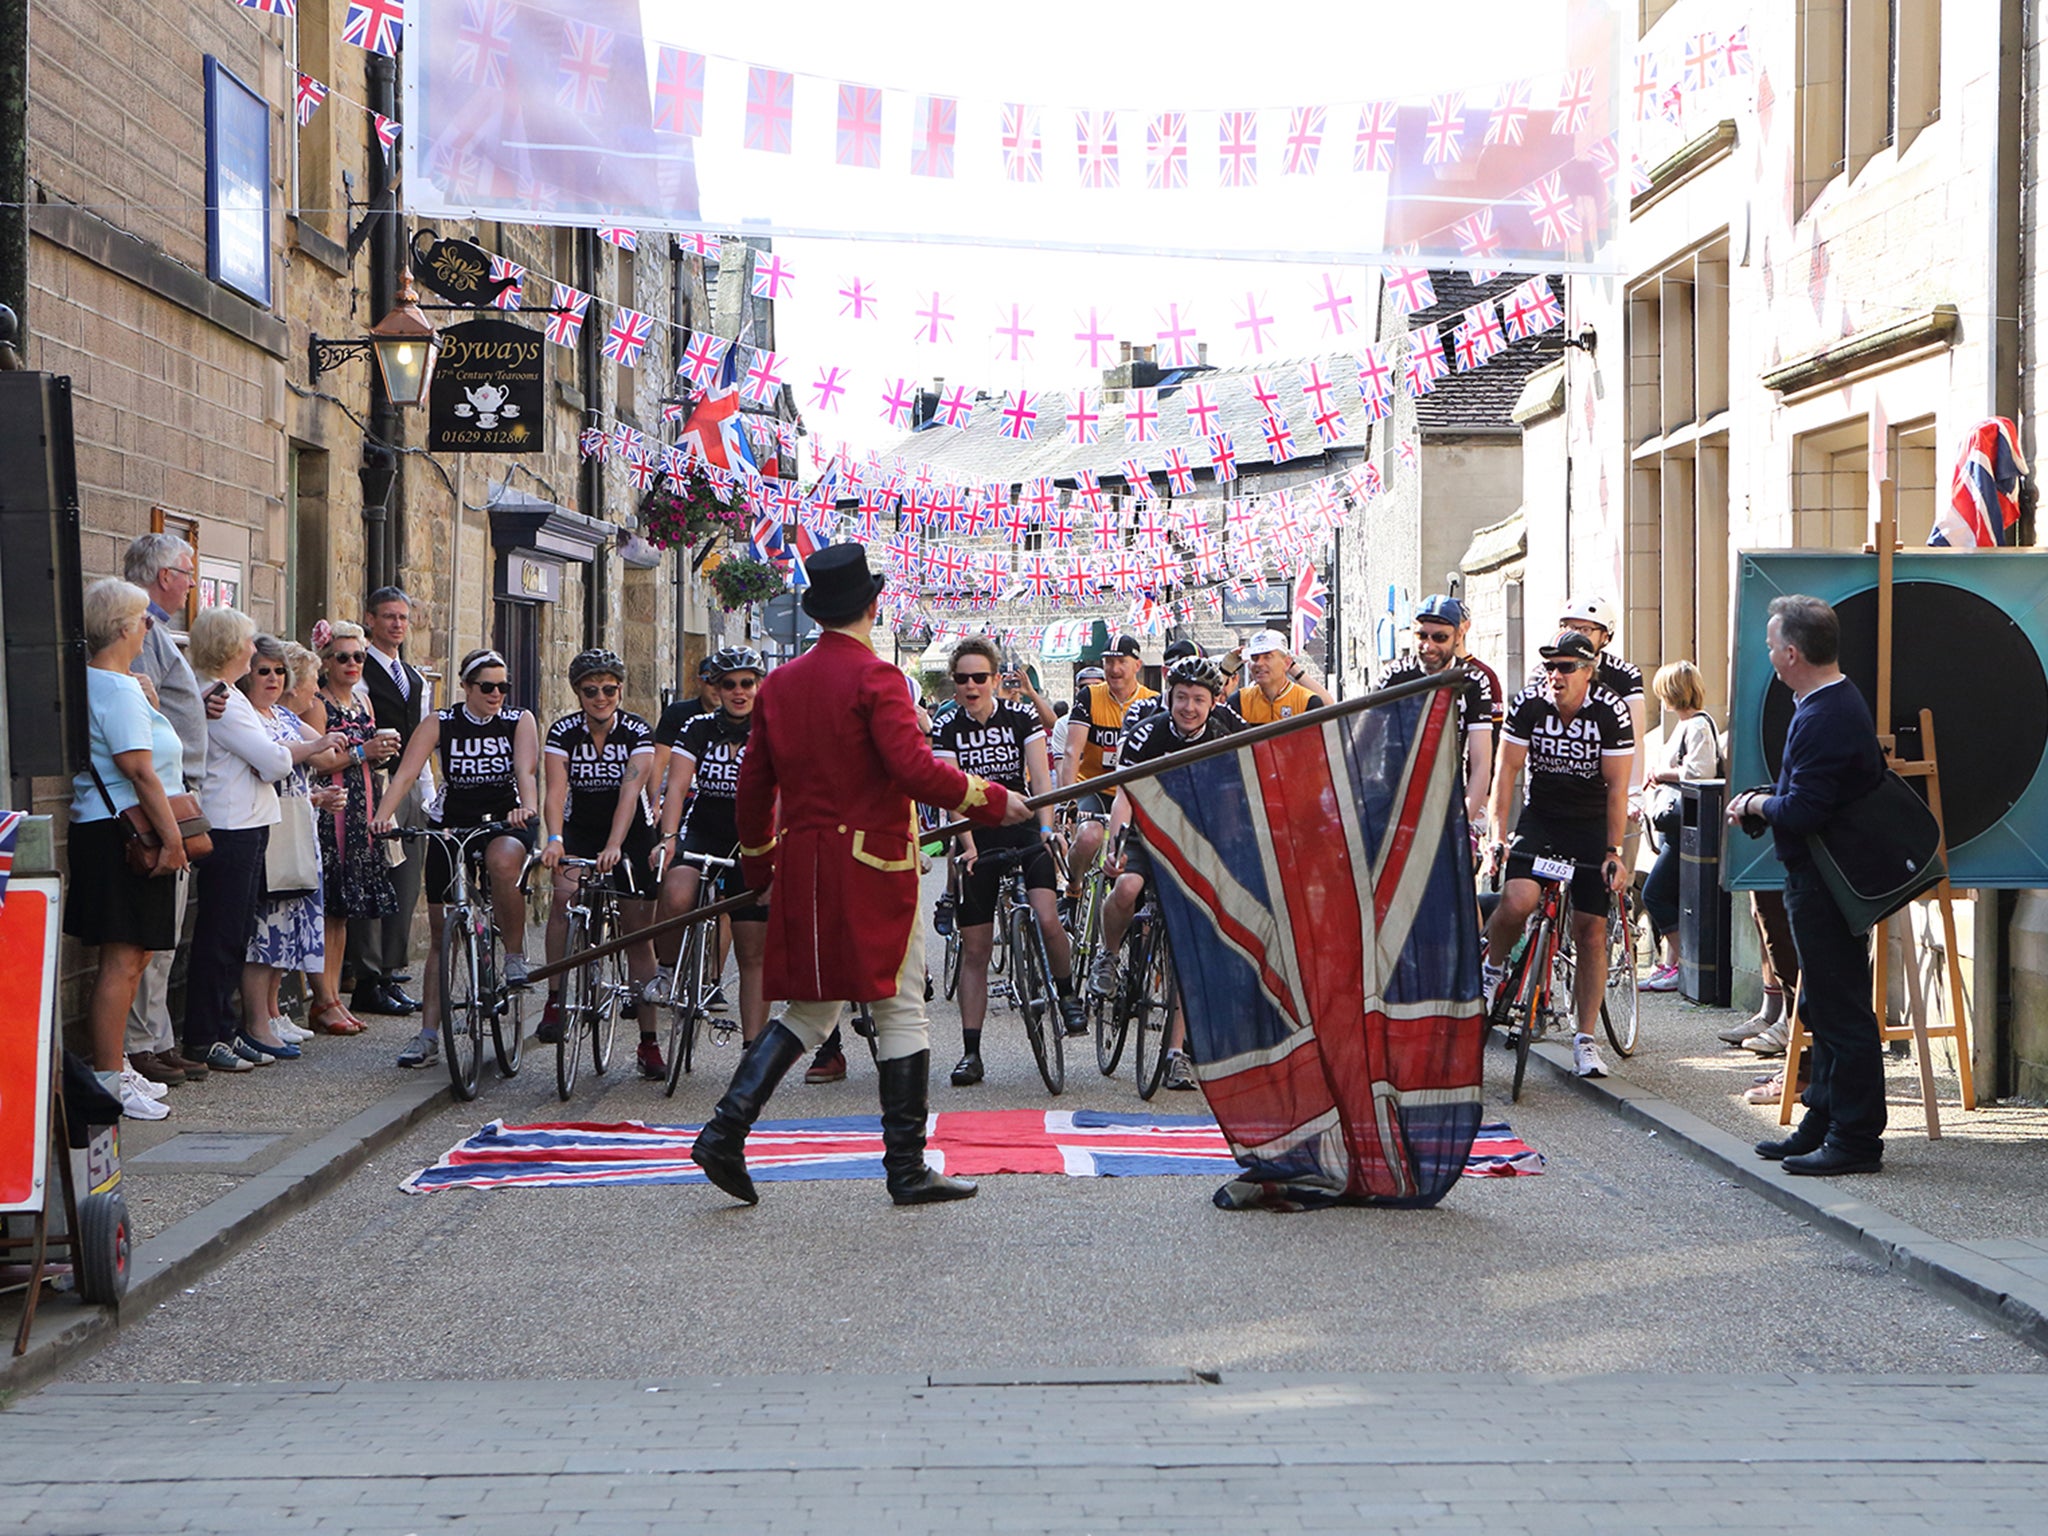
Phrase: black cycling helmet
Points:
(707, 670)
(735, 658)
(1180, 650)
(596, 663)
(1198, 670)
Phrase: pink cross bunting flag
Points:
(1410, 288)
(1016, 335)
(617, 234)
(1023, 149)
(679, 92)
(1373, 148)
(702, 359)
(1137, 479)
(1166, 152)
(1279, 439)
(593, 443)
(860, 127)
(1443, 139)
(1316, 386)
(483, 42)
(1550, 208)
(699, 242)
(1223, 456)
(1330, 424)
(1202, 410)
(1509, 118)
(934, 127)
(1478, 239)
(1335, 306)
(1176, 335)
(1180, 473)
(772, 277)
(770, 109)
(934, 322)
(1375, 372)
(585, 68)
(1082, 420)
(1237, 148)
(271, 7)
(1019, 415)
(955, 409)
(1254, 323)
(763, 379)
(1305, 129)
(827, 388)
(1141, 415)
(568, 306)
(1095, 145)
(1574, 102)
(306, 98)
(1533, 308)
(1426, 361)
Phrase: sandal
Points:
(335, 1019)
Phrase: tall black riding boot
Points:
(721, 1147)
(904, 1105)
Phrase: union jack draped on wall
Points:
(1319, 901)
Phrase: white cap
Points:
(1265, 641)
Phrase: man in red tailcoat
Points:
(835, 741)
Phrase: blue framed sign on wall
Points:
(237, 185)
(1969, 644)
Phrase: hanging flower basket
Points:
(741, 579)
(683, 511)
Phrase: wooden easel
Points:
(1916, 1028)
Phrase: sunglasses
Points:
(267, 672)
(739, 682)
(1561, 668)
(347, 659)
(1436, 636)
(972, 677)
(599, 690)
(492, 687)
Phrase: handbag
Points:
(291, 859)
(139, 840)
(1877, 853)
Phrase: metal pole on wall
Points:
(454, 607)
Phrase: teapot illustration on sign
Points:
(488, 404)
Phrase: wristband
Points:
(554, 837)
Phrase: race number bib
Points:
(1551, 869)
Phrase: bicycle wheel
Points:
(1531, 989)
(1620, 1007)
(575, 998)
(1152, 1006)
(952, 961)
(607, 988)
(462, 1035)
(1033, 980)
(508, 1016)
(684, 999)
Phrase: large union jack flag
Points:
(374, 24)
(1318, 896)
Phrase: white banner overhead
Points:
(1339, 131)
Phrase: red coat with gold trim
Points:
(835, 740)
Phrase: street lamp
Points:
(405, 342)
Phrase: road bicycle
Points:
(1081, 916)
(592, 993)
(696, 977)
(1139, 1006)
(1536, 995)
(474, 995)
(1032, 989)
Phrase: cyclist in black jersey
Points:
(1004, 743)
(1439, 621)
(488, 755)
(595, 764)
(1192, 717)
(697, 816)
(670, 726)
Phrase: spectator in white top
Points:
(244, 761)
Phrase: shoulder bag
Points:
(140, 841)
(1877, 853)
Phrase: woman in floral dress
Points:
(289, 933)
(358, 875)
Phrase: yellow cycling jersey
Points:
(1104, 718)
(1257, 709)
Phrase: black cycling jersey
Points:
(595, 773)
(1157, 736)
(717, 743)
(994, 748)
(669, 728)
(1475, 700)
(1623, 679)
(1145, 709)
(479, 782)
(1564, 765)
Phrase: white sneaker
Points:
(289, 1032)
(140, 1106)
(1586, 1060)
(656, 991)
(1102, 972)
(130, 1078)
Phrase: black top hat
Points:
(841, 586)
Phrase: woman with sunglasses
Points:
(706, 760)
(358, 877)
(597, 762)
(489, 757)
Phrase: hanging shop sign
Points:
(459, 270)
(489, 390)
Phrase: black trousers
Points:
(1846, 1087)
(230, 889)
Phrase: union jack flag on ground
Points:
(1318, 897)
(568, 306)
(375, 25)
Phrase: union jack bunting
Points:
(1426, 361)
(1479, 336)
(698, 243)
(1315, 386)
(586, 67)
(933, 130)
(1223, 456)
(702, 359)
(1443, 139)
(618, 235)
(763, 378)
(1019, 415)
(1023, 149)
(642, 468)
(1330, 424)
(826, 389)
(306, 98)
(1180, 474)
(1137, 479)
(1311, 598)
(1574, 102)
(1279, 439)
(375, 25)
(1040, 498)
(1166, 152)
(626, 338)
(1510, 114)
(679, 92)
(1375, 372)
(1735, 52)
(1237, 148)
(10, 828)
(1202, 411)
(860, 127)
(1373, 149)
(772, 276)
(568, 306)
(510, 295)
(1647, 89)
(1082, 421)
(271, 7)
(1305, 127)
(483, 42)
(1176, 337)
(1532, 308)
(955, 409)
(771, 98)
(1477, 238)
(1263, 394)
(1095, 144)
(1550, 208)
(1410, 288)
(387, 129)
(1141, 415)
(1339, 1044)
(1376, 407)
(1702, 60)
(594, 443)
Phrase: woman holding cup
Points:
(358, 878)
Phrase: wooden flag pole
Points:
(1451, 676)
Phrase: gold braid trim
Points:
(977, 794)
(766, 848)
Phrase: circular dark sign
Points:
(1959, 655)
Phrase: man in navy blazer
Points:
(1832, 758)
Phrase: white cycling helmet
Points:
(1589, 610)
